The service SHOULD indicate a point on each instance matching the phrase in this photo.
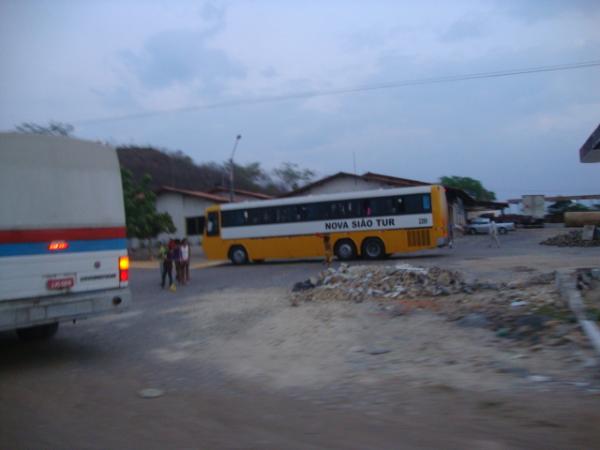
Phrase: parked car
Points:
(521, 220)
(482, 226)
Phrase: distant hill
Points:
(176, 169)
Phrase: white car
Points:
(482, 226)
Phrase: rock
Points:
(356, 349)
(518, 304)
(150, 393)
(474, 320)
(378, 351)
(302, 286)
(590, 363)
(398, 310)
(503, 332)
(538, 378)
(519, 371)
(555, 342)
(531, 320)
(571, 239)
(523, 331)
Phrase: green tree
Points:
(290, 176)
(52, 129)
(471, 186)
(143, 221)
(578, 207)
(560, 206)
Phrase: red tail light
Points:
(56, 246)
(124, 268)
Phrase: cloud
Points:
(463, 29)
(181, 56)
(535, 10)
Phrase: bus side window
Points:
(268, 216)
(282, 214)
(212, 224)
(398, 207)
(426, 203)
(353, 208)
(417, 203)
(367, 211)
(301, 213)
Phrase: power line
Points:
(348, 90)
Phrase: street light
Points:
(231, 166)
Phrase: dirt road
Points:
(239, 368)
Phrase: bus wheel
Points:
(38, 333)
(238, 255)
(373, 248)
(345, 250)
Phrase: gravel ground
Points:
(238, 367)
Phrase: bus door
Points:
(212, 224)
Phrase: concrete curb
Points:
(153, 265)
(566, 283)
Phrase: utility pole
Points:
(231, 167)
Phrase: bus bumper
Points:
(30, 312)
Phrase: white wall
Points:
(345, 184)
(180, 207)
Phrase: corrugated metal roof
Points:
(590, 150)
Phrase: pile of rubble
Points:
(529, 311)
(588, 282)
(400, 281)
(571, 239)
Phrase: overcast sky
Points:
(73, 61)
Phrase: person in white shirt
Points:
(493, 231)
(185, 261)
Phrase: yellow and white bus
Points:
(370, 224)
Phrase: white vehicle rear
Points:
(63, 250)
(482, 226)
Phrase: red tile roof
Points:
(258, 195)
(197, 194)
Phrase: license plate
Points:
(60, 283)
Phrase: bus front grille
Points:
(418, 238)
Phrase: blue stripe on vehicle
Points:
(41, 248)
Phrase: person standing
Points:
(185, 261)
(493, 231)
(167, 265)
(162, 255)
(328, 249)
(177, 260)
